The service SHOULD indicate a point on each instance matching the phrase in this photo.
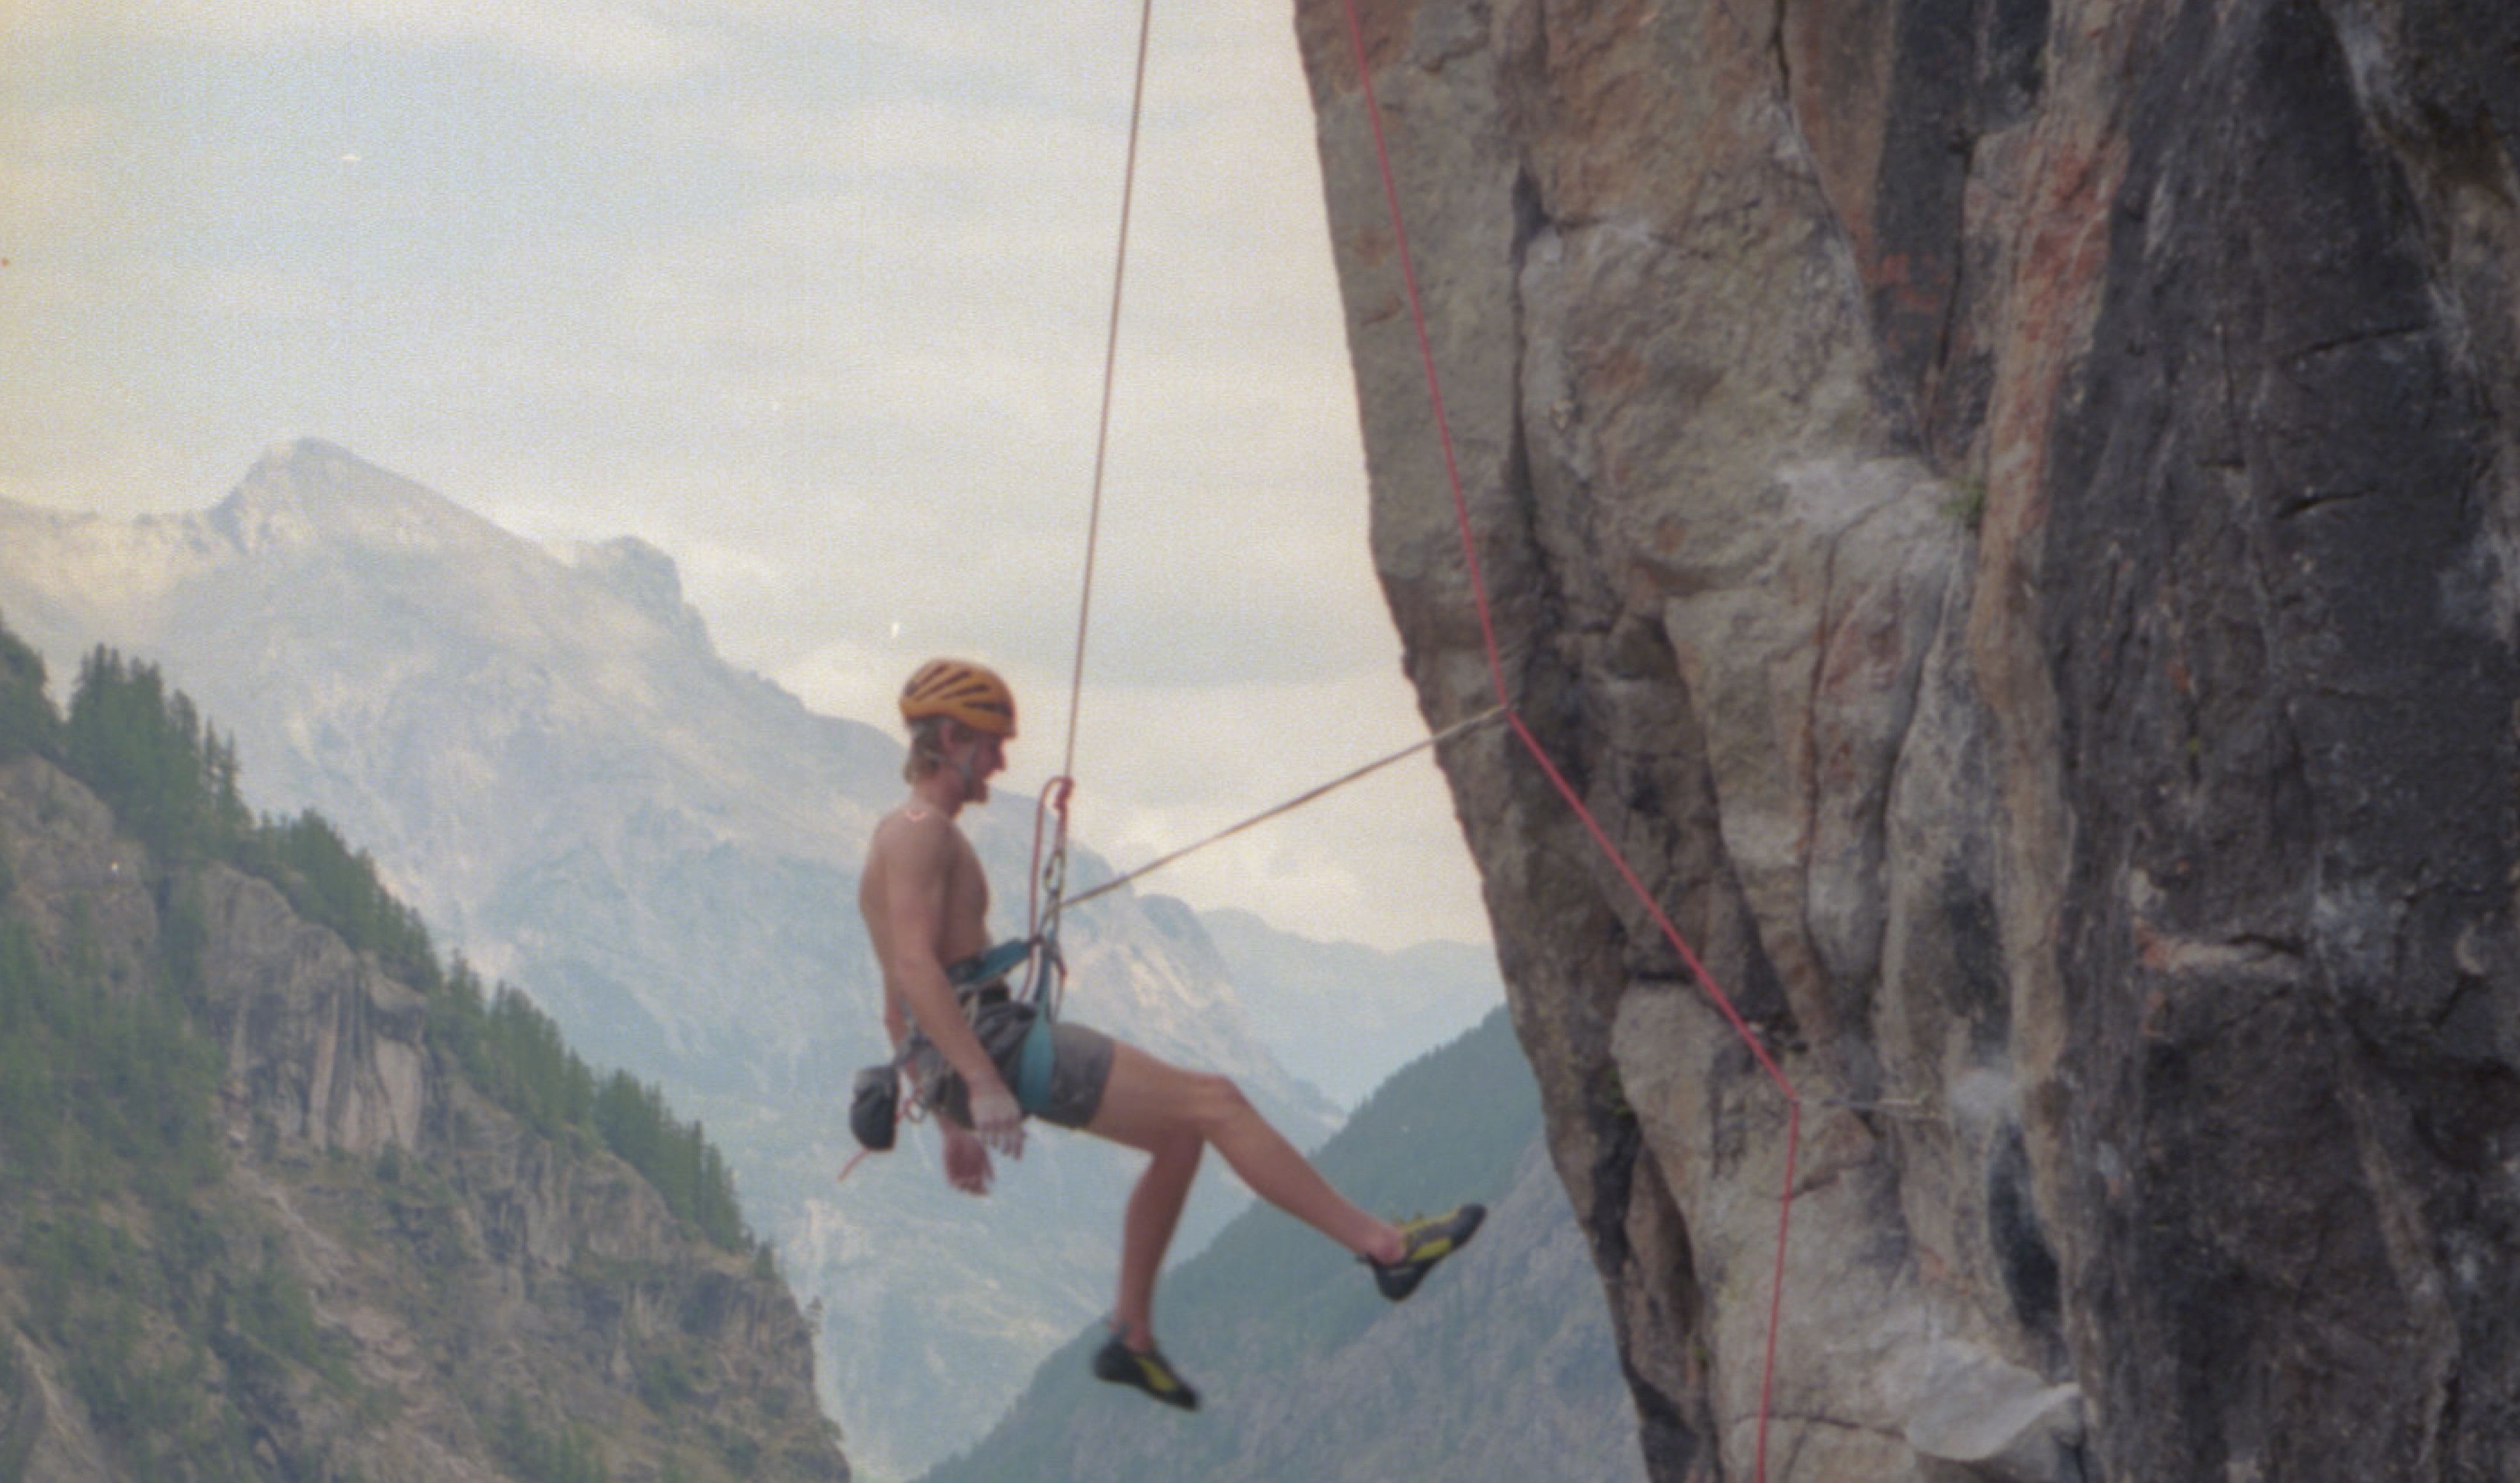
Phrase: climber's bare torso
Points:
(923, 896)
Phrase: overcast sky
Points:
(810, 293)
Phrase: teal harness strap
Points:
(1033, 1065)
(1034, 1061)
(1039, 1054)
(989, 967)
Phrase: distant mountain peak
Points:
(311, 493)
(305, 452)
(640, 576)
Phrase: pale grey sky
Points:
(809, 294)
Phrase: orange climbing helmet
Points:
(969, 692)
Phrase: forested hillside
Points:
(282, 1194)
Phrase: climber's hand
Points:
(997, 1120)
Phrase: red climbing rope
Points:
(1052, 804)
(1353, 775)
(1051, 881)
(1531, 744)
(1110, 365)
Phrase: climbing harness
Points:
(1038, 954)
(876, 1103)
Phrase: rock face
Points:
(2005, 508)
(473, 1287)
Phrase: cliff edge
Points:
(2006, 508)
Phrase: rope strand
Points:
(1295, 803)
(1531, 743)
(1110, 366)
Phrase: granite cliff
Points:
(2006, 508)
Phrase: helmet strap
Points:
(965, 766)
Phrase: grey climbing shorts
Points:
(1080, 1062)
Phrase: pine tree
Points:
(28, 723)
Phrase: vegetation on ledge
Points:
(145, 1276)
(172, 782)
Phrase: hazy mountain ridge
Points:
(1502, 1366)
(552, 763)
(1389, 1006)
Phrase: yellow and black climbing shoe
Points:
(1149, 1371)
(1430, 1239)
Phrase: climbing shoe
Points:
(1149, 1371)
(1430, 1239)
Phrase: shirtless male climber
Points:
(926, 906)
